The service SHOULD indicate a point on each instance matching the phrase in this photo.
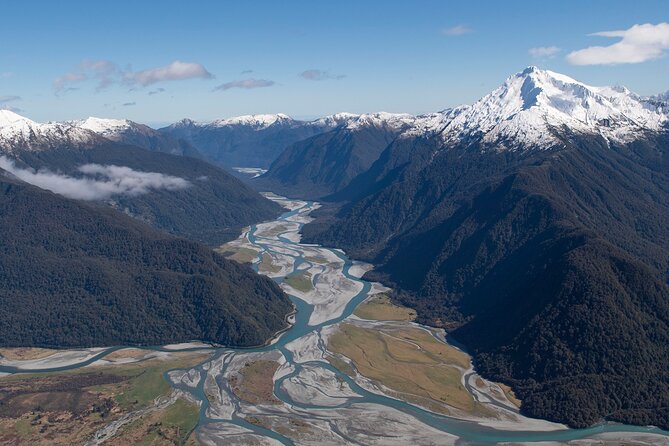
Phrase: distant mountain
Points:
(211, 207)
(243, 141)
(532, 226)
(18, 134)
(76, 274)
(326, 163)
(131, 133)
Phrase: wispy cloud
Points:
(319, 75)
(544, 52)
(5, 103)
(156, 91)
(457, 30)
(61, 82)
(245, 84)
(6, 74)
(176, 71)
(11, 98)
(100, 182)
(640, 43)
(103, 72)
(107, 73)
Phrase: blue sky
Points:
(70, 59)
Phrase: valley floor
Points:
(353, 369)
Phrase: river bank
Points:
(334, 377)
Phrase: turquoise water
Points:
(470, 433)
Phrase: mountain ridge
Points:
(529, 251)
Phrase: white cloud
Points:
(10, 98)
(541, 52)
(245, 83)
(101, 183)
(107, 73)
(640, 43)
(175, 71)
(319, 75)
(61, 82)
(457, 30)
(5, 100)
(102, 71)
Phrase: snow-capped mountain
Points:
(257, 140)
(132, 133)
(261, 121)
(327, 162)
(242, 141)
(18, 133)
(255, 122)
(106, 127)
(394, 121)
(531, 105)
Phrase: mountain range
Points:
(328, 162)
(532, 226)
(101, 241)
(243, 141)
(211, 207)
(76, 274)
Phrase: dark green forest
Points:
(212, 210)
(550, 266)
(76, 274)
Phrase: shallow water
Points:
(469, 432)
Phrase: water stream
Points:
(468, 432)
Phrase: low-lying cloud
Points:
(640, 43)
(100, 182)
(320, 75)
(246, 84)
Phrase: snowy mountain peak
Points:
(353, 121)
(9, 118)
(103, 126)
(20, 133)
(256, 121)
(529, 104)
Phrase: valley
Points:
(352, 369)
(334, 223)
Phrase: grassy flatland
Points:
(409, 361)
(65, 408)
(294, 425)
(316, 259)
(275, 230)
(237, 253)
(340, 365)
(267, 264)
(254, 383)
(301, 281)
(147, 379)
(26, 353)
(380, 308)
(171, 426)
(510, 395)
